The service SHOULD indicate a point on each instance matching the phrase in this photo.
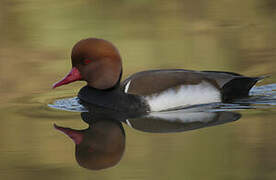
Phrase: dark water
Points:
(238, 36)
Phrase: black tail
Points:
(238, 87)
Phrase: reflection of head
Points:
(100, 146)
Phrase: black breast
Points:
(113, 99)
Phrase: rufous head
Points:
(95, 61)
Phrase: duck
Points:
(98, 62)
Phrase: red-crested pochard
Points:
(98, 62)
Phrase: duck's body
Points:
(114, 99)
(159, 90)
(98, 62)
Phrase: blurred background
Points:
(227, 35)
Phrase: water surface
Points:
(36, 39)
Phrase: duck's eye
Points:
(87, 61)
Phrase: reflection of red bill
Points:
(76, 135)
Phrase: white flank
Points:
(128, 123)
(185, 95)
(127, 86)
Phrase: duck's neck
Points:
(113, 98)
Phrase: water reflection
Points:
(99, 146)
(102, 144)
(179, 121)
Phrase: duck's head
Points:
(95, 61)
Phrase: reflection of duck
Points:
(102, 144)
(180, 120)
(98, 63)
(99, 146)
